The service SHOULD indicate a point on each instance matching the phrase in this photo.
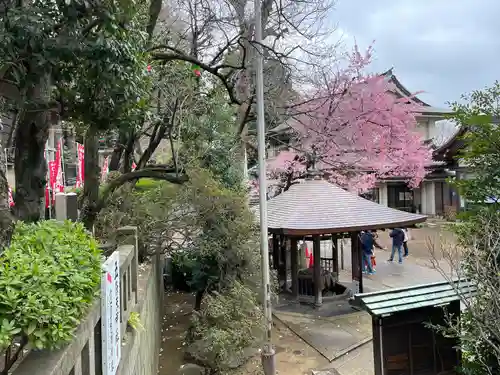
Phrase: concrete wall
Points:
(11, 177)
(140, 355)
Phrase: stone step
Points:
(331, 371)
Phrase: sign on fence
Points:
(110, 314)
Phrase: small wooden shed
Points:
(403, 343)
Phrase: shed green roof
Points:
(391, 301)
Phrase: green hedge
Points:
(147, 184)
(49, 277)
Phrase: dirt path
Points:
(178, 308)
(293, 355)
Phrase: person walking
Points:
(398, 236)
(377, 245)
(405, 241)
(367, 243)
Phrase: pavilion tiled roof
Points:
(316, 206)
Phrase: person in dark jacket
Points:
(398, 237)
(367, 242)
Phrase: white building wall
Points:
(423, 128)
(382, 191)
(427, 128)
(423, 198)
(428, 198)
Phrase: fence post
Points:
(128, 235)
(61, 209)
(72, 206)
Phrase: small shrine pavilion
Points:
(318, 210)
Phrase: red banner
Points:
(53, 174)
(81, 164)
(105, 169)
(11, 198)
(47, 197)
(58, 156)
(47, 189)
(59, 181)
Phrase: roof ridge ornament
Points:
(312, 173)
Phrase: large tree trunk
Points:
(128, 154)
(30, 167)
(198, 300)
(6, 220)
(116, 156)
(91, 178)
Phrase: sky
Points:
(443, 47)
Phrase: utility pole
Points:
(268, 361)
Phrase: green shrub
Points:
(228, 323)
(149, 209)
(49, 276)
(147, 183)
(182, 270)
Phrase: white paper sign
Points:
(355, 286)
(110, 315)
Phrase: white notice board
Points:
(110, 315)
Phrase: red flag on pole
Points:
(11, 198)
(81, 164)
(105, 169)
(59, 181)
(47, 185)
(53, 176)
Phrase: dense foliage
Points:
(228, 323)
(206, 226)
(211, 235)
(49, 276)
(148, 206)
(480, 114)
(74, 58)
(479, 252)
(478, 231)
(220, 247)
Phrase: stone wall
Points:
(141, 292)
(140, 355)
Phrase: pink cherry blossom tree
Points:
(355, 130)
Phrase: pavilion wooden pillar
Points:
(276, 251)
(294, 260)
(335, 256)
(356, 263)
(342, 252)
(318, 285)
(283, 265)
